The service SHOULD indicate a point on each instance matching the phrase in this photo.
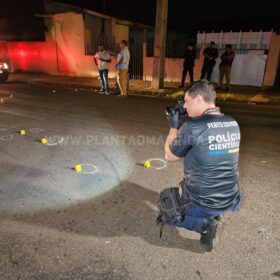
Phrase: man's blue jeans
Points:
(195, 216)
(103, 74)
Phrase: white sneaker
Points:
(107, 93)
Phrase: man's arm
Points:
(223, 56)
(111, 53)
(169, 156)
(205, 53)
(230, 56)
(95, 61)
(105, 60)
(216, 54)
(120, 61)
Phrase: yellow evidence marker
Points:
(147, 164)
(78, 168)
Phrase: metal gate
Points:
(136, 39)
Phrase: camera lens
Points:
(181, 109)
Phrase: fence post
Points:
(198, 38)
(203, 38)
(221, 39)
(239, 39)
(259, 39)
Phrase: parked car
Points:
(4, 72)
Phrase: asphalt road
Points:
(56, 223)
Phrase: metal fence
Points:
(174, 49)
(179, 52)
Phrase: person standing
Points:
(210, 55)
(188, 64)
(101, 60)
(122, 67)
(225, 66)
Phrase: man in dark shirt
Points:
(225, 66)
(210, 55)
(188, 64)
(209, 145)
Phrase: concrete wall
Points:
(247, 69)
(4, 56)
(63, 53)
(32, 57)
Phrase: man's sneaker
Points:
(208, 233)
(107, 93)
(102, 91)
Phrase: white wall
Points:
(247, 69)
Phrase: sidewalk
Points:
(247, 94)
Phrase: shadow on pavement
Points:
(128, 210)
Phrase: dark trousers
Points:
(187, 69)
(103, 74)
(207, 69)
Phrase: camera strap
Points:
(212, 110)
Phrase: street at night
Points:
(55, 223)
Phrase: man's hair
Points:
(101, 44)
(204, 89)
(124, 42)
(212, 43)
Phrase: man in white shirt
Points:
(122, 67)
(101, 60)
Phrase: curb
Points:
(259, 98)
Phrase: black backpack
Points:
(171, 206)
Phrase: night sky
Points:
(193, 16)
(18, 21)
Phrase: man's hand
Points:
(172, 114)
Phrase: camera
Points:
(178, 107)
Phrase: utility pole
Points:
(160, 44)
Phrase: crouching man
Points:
(209, 146)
